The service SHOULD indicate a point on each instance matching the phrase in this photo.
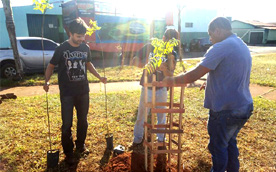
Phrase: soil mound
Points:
(135, 162)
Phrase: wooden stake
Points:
(180, 127)
(146, 117)
(153, 115)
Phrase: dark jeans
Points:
(223, 128)
(81, 103)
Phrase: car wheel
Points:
(8, 70)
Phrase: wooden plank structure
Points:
(171, 128)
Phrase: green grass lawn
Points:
(24, 139)
(264, 70)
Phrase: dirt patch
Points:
(135, 162)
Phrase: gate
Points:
(256, 37)
(51, 26)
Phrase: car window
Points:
(48, 45)
(31, 44)
(36, 45)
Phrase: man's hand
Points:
(46, 86)
(103, 79)
(202, 87)
(167, 81)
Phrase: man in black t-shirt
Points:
(73, 59)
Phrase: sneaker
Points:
(136, 146)
(83, 150)
(69, 159)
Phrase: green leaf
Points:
(92, 27)
(161, 48)
(159, 62)
(42, 5)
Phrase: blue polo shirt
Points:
(228, 81)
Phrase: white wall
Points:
(199, 17)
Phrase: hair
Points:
(77, 26)
(171, 33)
(221, 23)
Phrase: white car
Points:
(30, 53)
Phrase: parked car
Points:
(30, 53)
(200, 44)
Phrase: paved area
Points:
(94, 88)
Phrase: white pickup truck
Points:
(30, 53)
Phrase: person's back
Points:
(228, 80)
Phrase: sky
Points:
(263, 11)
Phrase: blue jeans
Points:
(81, 103)
(161, 96)
(223, 128)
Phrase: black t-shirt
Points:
(72, 72)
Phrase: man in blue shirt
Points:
(228, 64)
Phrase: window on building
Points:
(188, 24)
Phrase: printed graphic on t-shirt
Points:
(75, 64)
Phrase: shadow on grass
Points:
(202, 166)
(6, 166)
(134, 117)
(64, 167)
(106, 157)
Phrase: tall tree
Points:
(11, 31)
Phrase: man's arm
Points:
(48, 74)
(188, 77)
(92, 69)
